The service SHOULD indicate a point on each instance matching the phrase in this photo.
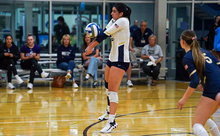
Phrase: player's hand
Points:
(6, 54)
(11, 55)
(88, 50)
(181, 103)
(31, 56)
(201, 88)
(99, 58)
(132, 50)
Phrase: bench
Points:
(22, 71)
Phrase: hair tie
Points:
(193, 38)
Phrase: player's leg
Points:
(115, 76)
(107, 69)
(204, 110)
(210, 125)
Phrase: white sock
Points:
(212, 128)
(16, 76)
(108, 108)
(199, 130)
(111, 117)
(87, 76)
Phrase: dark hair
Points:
(61, 19)
(216, 17)
(11, 38)
(84, 42)
(189, 37)
(121, 7)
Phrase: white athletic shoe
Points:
(104, 116)
(75, 85)
(68, 76)
(10, 86)
(129, 83)
(44, 74)
(109, 127)
(30, 86)
(19, 80)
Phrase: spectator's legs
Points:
(32, 74)
(70, 67)
(36, 66)
(156, 71)
(147, 70)
(9, 71)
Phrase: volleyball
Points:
(92, 30)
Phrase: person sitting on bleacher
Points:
(65, 58)
(30, 54)
(152, 55)
(91, 61)
(9, 54)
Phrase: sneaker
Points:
(95, 84)
(44, 74)
(68, 76)
(153, 83)
(19, 80)
(75, 85)
(87, 77)
(109, 127)
(10, 86)
(30, 86)
(129, 83)
(104, 116)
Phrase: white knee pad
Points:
(113, 96)
(199, 130)
(212, 128)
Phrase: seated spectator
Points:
(65, 58)
(30, 54)
(91, 61)
(152, 55)
(9, 54)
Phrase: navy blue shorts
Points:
(121, 65)
(210, 95)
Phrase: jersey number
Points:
(207, 59)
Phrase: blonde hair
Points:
(66, 35)
(189, 37)
(29, 35)
(153, 37)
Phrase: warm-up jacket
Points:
(14, 50)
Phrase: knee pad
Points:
(113, 96)
(199, 130)
(211, 127)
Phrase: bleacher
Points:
(48, 63)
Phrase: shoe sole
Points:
(115, 126)
(106, 118)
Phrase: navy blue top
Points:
(65, 54)
(141, 39)
(28, 51)
(133, 28)
(210, 80)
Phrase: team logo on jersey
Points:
(116, 26)
(186, 67)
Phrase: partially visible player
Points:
(201, 65)
(118, 63)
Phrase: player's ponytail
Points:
(190, 38)
(121, 7)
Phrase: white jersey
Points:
(120, 37)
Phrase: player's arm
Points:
(189, 66)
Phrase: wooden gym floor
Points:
(142, 111)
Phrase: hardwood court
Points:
(143, 110)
